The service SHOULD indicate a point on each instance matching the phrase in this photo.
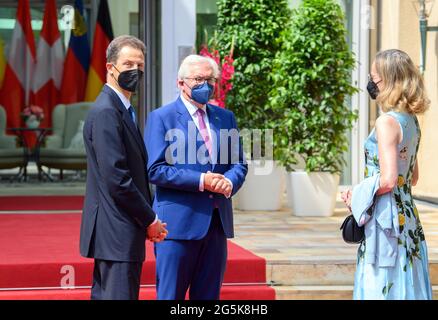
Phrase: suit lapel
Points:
(183, 114)
(215, 126)
(134, 131)
(127, 120)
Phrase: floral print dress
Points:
(409, 278)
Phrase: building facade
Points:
(172, 29)
(398, 27)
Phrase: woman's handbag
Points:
(351, 232)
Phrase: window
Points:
(206, 19)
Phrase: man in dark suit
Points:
(117, 216)
(195, 184)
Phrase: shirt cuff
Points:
(155, 221)
(201, 182)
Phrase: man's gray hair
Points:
(194, 59)
(113, 50)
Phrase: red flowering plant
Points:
(224, 85)
(33, 112)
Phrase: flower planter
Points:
(263, 187)
(312, 194)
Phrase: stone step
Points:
(321, 292)
(320, 273)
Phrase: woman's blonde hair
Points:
(403, 84)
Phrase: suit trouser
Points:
(114, 280)
(195, 264)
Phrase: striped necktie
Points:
(203, 129)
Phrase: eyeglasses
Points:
(200, 80)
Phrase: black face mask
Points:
(129, 79)
(373, 89)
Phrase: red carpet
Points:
(259, 292)
(35, 247)
(37, 203)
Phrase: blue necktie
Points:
(132, 113)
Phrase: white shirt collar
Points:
(192, 108)
(125, 101)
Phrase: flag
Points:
(77, 60)
(50, 60)
(102, 37)
(16, 89)
(2, 61)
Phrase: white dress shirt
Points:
(192, 109)
(122, 97)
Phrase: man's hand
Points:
(210, 179)
(217, 183)
(157, 231)
(222, 186)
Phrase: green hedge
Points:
(256, 26)
(310, 82)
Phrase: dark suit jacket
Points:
(117, 208)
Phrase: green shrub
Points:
(256, 26)
(311, 81)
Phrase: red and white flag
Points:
(17, 83)
(50, 60)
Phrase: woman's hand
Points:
(346, 197)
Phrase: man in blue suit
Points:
(117, 216)
(196, 162)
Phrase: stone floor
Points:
(283, 237)
(73, 183)
(306, 257)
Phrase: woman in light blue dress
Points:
(391, 150)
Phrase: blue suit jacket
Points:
(117, 207)
(178, 200)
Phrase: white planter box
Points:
(312, 194)
(263, 188)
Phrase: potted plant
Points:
(32, 116)
(253, 29)
(311, 81)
